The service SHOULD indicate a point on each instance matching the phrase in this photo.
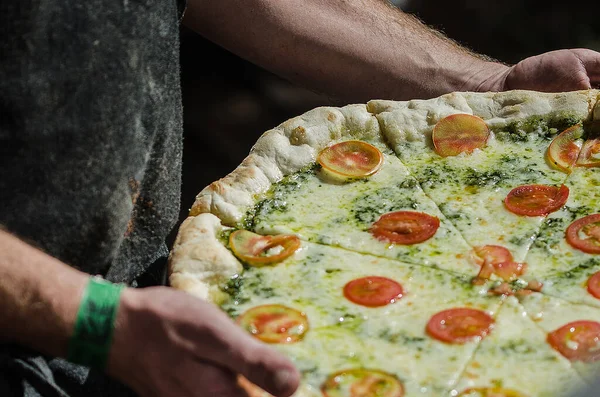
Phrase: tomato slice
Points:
(362, 382)
(459, 133)
(536, 200)
(351, 159)
(373, 291)
(258, 250)
(490, 392)
(405, 227)
(563, 151)
(509, 271)
(274, 323)
(460, 325)
(495, 259)
(577, 341)
(584, 234)
(590, 154)
(490, 254)
(593, 285)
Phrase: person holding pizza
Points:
(90, 143)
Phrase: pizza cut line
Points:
(418, 248)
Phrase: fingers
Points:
(591, 62)
(161, 331)
(560, 70)
(267, 368)
(229, 346)
(196, 378)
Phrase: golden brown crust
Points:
(281, 151)
(414, 120)
(199, 262)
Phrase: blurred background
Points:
(229, 102)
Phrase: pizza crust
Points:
(418, 117)
(281, 151)
(199, 263)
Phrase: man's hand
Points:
(555, 71)
(169, 343)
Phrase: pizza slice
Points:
(482, 159)
(572, 330)
(565, 256)
(516, 361)
(351, 321)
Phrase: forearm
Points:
(39, 297)
(354, 49)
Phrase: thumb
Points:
(234, 348)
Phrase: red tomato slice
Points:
(491, 254)
(274, 323)
(351, 159)
(590, 154)
(593, 285)
(584, 234)
(460, 325)
(563, 151)
(509, 271)
(577, 341)
(258, 250)
(405, 227)
(361, 382)
(534, 285)
(495, 259)
(373, 291)
(459, 133)
(490, 392)
(536, 200)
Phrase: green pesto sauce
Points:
(545, 127)
(517, 346)
(497, 173)
(242, 288)
(583, 269)
(553, 229)
(275, 199)
(368, 207)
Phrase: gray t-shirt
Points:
(90, 144)
(90, 129)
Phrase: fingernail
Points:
(282, 379)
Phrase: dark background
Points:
(229, 102)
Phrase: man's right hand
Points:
(170, 343)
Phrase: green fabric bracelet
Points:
(95, 323)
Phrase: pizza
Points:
(440, 247)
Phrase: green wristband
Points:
(95, 323)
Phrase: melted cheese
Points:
(516, 356)
(466, 193)
(470, 188)
(345, 335)
(340, 214)
(562, 269)
(551, 313)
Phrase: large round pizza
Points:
(441, 247)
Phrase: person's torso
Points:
(90, 130)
